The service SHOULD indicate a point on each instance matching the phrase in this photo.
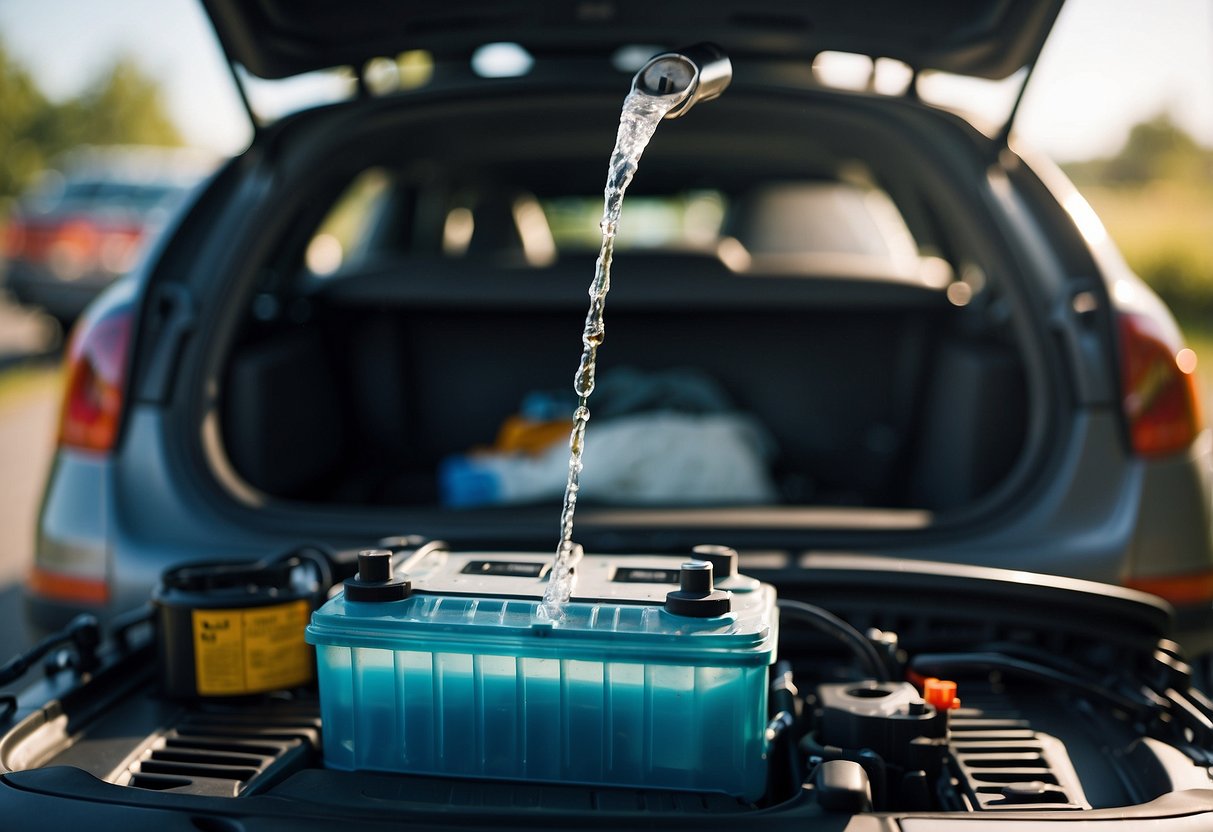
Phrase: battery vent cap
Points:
(696, 596)
(374, 581)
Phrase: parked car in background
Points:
(970, 424)
(85, 223)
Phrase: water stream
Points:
(637, 123)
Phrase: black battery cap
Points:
(374, 581)
(723, 559)
(695, 596)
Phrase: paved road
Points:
(24, 333)
(29, 404)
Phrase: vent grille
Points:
(1008, 766)
(225, 752)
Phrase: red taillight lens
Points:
(119, 247)
(96, 367)
(1158, 379)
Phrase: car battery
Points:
(650, 675)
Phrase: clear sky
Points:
(1108, 64)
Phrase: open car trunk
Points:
(866, 336)
(869, 398)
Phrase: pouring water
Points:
(666, 87)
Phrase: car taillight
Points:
(72, 249)
(1189, 589)
(118, 249)
(95, 371)
(1158, 386)
(69, 589)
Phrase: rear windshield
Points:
(809, 228)
(686, 221)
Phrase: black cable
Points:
(833, 626)
(947, 664)
(1186, 711)
(83, 632)
(320, 558)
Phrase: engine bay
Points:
(898, 693)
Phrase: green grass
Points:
(24, 381)
(1165, 231)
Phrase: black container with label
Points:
(236, 628)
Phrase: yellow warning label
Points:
(251, 650)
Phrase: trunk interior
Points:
(868, 402)
(879, 380)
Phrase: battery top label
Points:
(509, 568)
(640, 575)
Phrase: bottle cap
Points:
(941, 693)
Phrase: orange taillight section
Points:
(68, 588)
(95, 371)
(1181, 590)
(1158, 384)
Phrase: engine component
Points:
(891, 718)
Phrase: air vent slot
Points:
(199, 756)
(1009, 766)
(1035, 775)
(225, 752)
(1004, 760)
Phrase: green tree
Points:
(23, 111)
(1157, 149)
(125, 107)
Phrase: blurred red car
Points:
(77, 230)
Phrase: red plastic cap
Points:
(941, 693)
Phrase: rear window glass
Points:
(825, 227)
(343, 237)
(686, 221)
